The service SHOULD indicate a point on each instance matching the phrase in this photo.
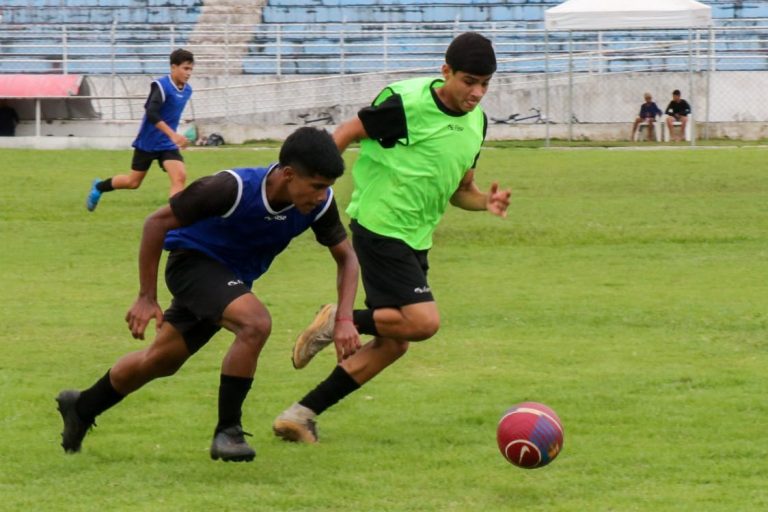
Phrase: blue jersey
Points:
(248, 237)
(174, 100)
(649, 109)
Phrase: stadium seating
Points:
(32, 31)
(31, 34)
(356, 18)
(19, 12)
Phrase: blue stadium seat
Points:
(361, 20)
(101, 11)
(404, 13)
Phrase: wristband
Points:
(344, 319)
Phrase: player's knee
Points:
(425, 329)
(421, 322)
(255, 331)
(179, 177)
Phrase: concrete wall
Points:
(121, 136)
(604, 105)
(597, 98)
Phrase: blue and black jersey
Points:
(248, 236)
(150, 139)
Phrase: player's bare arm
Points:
(469, 197)
(146, 307)
(345, 335)
(177, 138)
(348, 132)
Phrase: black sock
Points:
(105, 186)
(338, 385)
(232, 393)
(364, 322)
(97, 399)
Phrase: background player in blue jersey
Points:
(223, 231)
(157, 138)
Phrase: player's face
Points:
(463, 91)
(308, 192)
(180, 73)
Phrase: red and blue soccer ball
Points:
(530, 435)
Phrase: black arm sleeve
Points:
(385, 122)
(328, 228)
(153, 104)
(211, 196)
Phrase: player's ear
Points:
(446, 71)
(289, 172)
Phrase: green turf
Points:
(627, 290)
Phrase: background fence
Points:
(288, 73)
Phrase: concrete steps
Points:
(220, 37)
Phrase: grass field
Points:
(627, 290)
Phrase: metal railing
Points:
(338, 48)
(282, 71)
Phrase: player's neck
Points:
(445, 99)
(277, 190)
(176, 83)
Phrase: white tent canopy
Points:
(627, 14)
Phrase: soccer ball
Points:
(530, 435)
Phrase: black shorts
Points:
(142, 160)
(202, 288)
(394, 274)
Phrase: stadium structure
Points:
(77, 71)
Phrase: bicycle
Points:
(322, 117)
(515, 118)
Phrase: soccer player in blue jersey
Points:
(157, 138)
(223, 231)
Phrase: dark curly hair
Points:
(180, 56)
(312, 151)
(472, 53)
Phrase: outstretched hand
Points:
(141, 312)
(498, 200)
(346, 338)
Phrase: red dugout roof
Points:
(39, 86)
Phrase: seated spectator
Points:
(677, 111)
(649, 111)
(8, 120)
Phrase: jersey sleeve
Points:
(384, 121)
(154, 104)
(328, 228)
(210, 196)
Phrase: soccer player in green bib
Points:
(419, 143)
